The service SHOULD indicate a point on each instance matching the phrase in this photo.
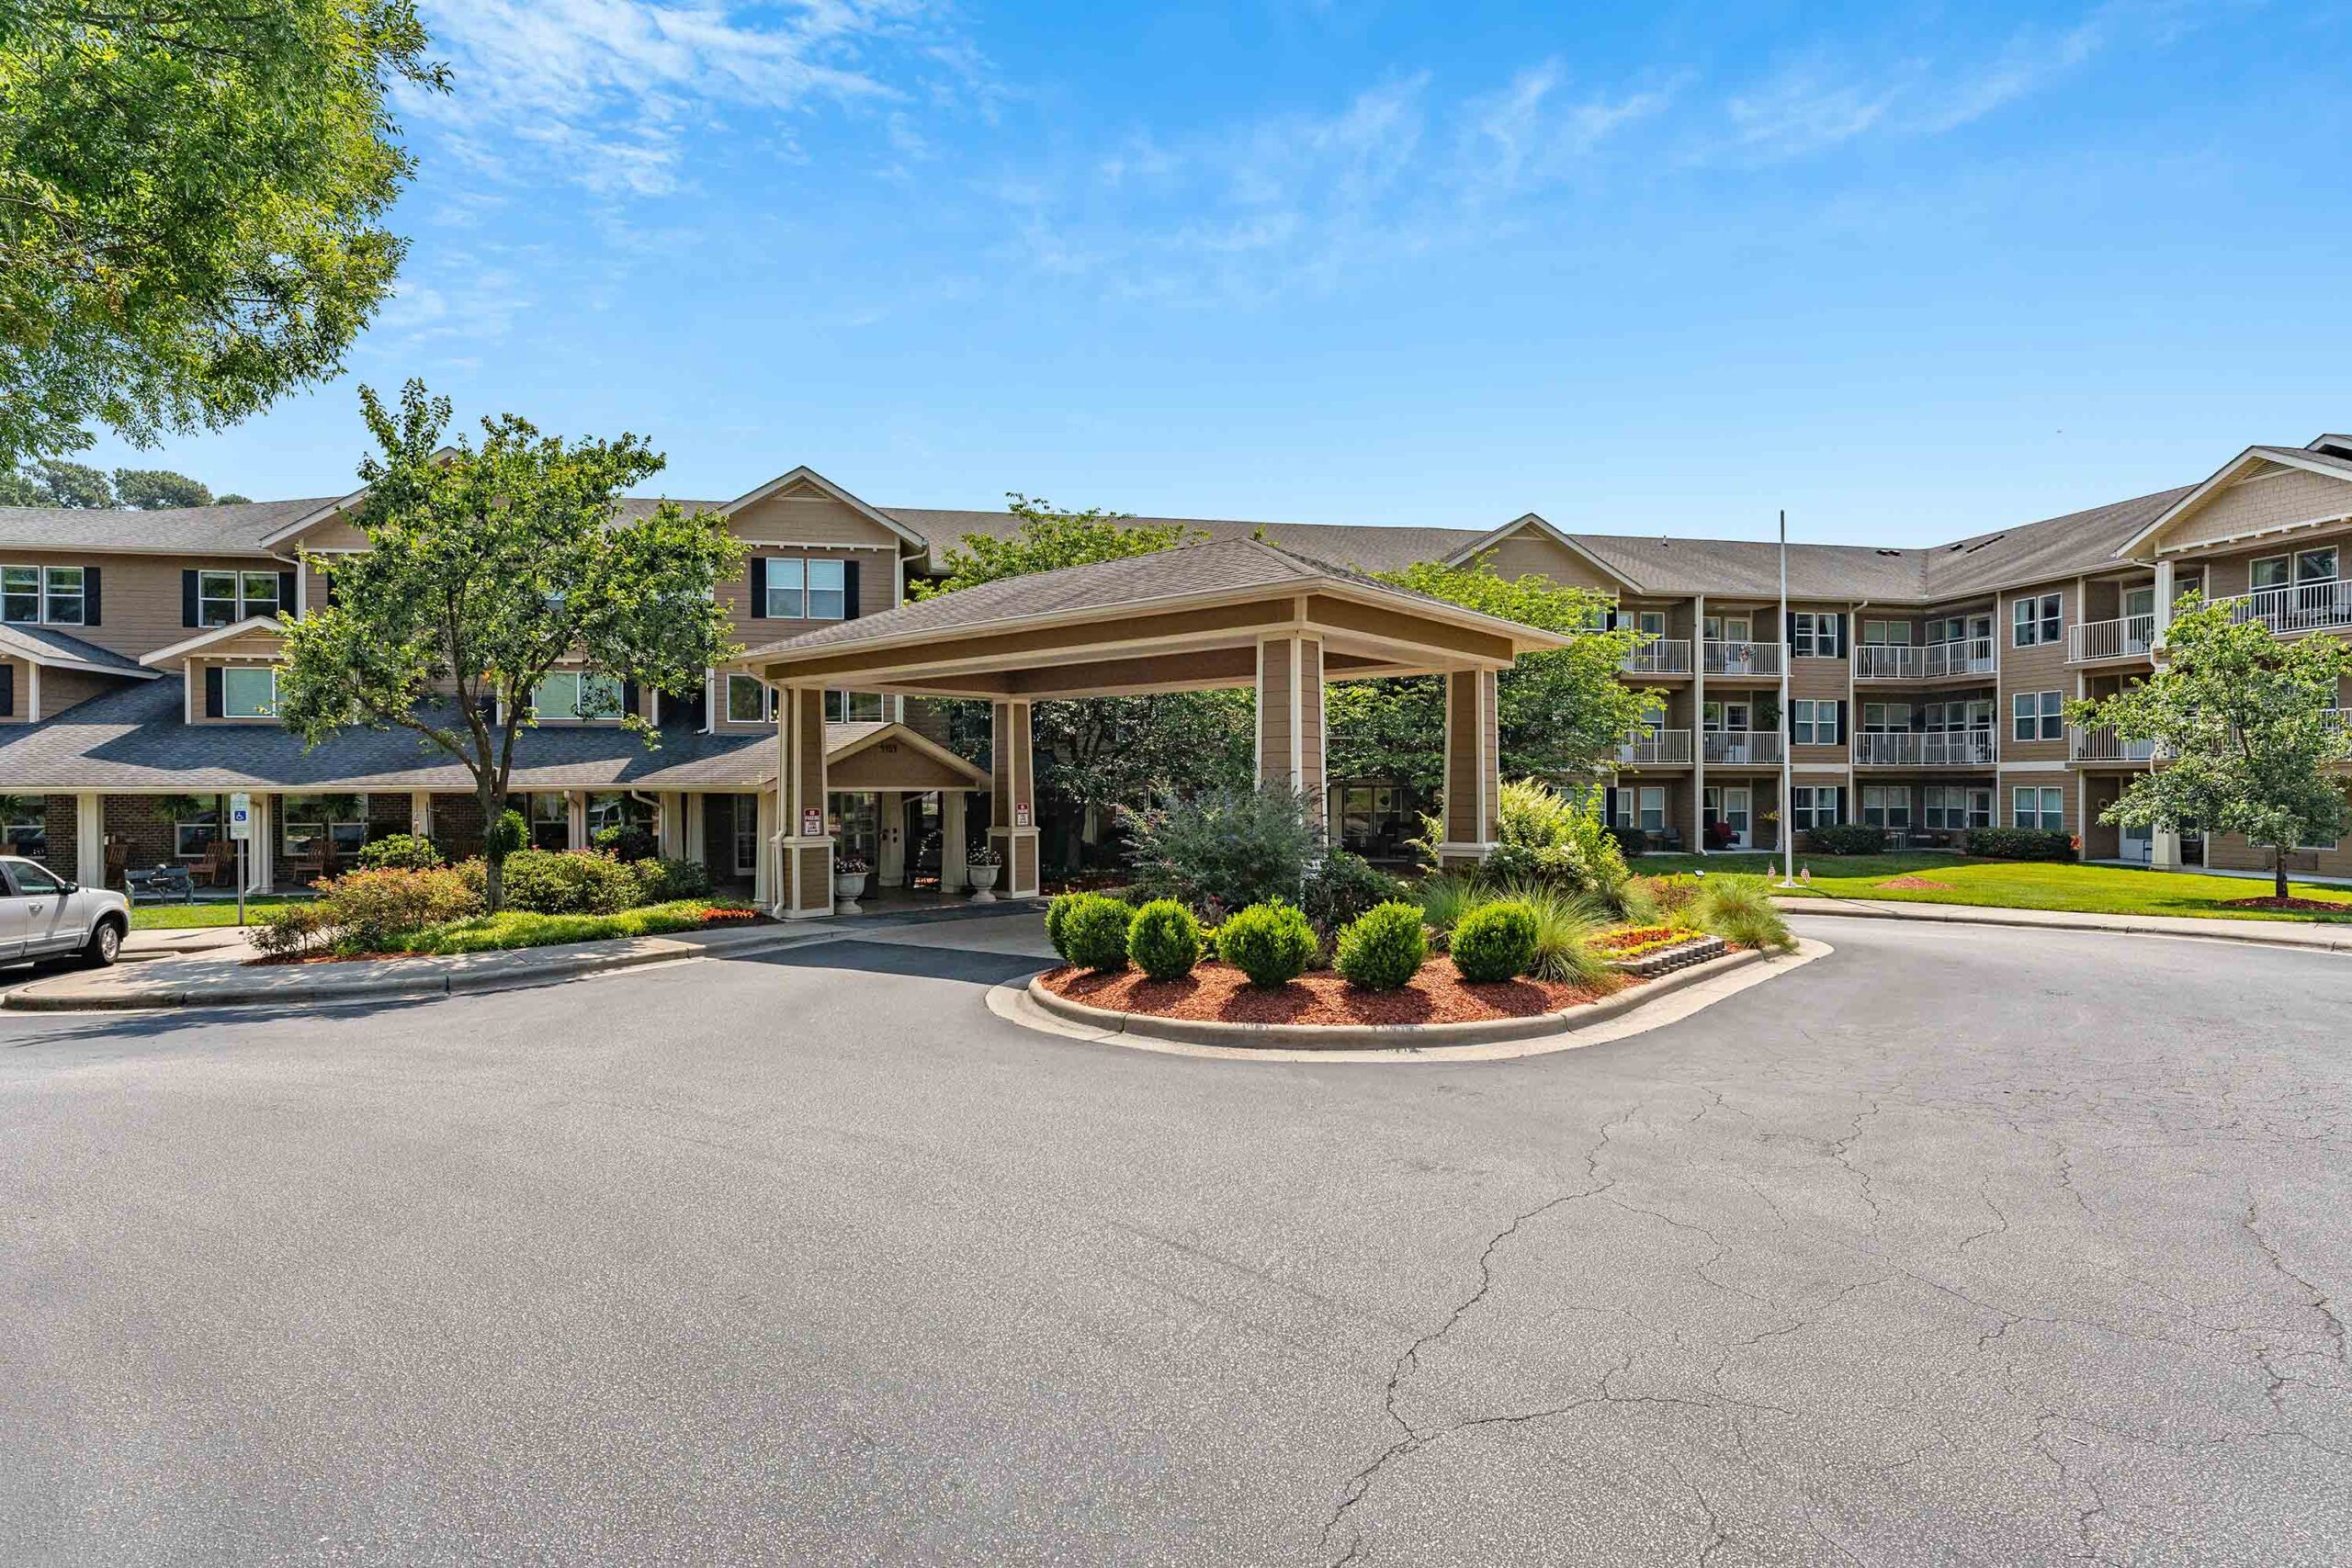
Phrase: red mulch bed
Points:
(1927, 882)
(2312, 905)
(1215, 991)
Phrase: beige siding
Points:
(20, 710)
(2040, 667)
(139, 596)
(1531, 553)
(2274, 496)
(804, 515)
(65, 688)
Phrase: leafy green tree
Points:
(486, 568)
(1562, 714)
(1047, 540)
(75, 485)
(192, 198)
(21, 490)
(154, 490)
(2245, 732)
(233, 499)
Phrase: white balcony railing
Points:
(2307, 606)
(1961, 655)
(1652, 748)
(1661, 656)
(1729, 658)
(1926, 749)
(2130, 637)
(1889, 662)
(1736, 748)
(2106, 746)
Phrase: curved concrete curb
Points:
(1382, 1036)
(2306, 938)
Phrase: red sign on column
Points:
(1020, 814)
(813, 823)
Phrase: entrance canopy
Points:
(1232, 613)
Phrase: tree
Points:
(192, 198)
(75, 485)
(2244, 732)
(153, 489)
(233, 499)
(19, 490)
(1095, 754)
(485, 568)
(1562, 714)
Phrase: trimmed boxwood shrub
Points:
(1164, 940)
(1270, 943)
(562, 882)
(1094, 932)
(2021, 843)
(662, 881)
(1847, 839)
(1057, 911)
(399, 852)
(1383, 949)
(1495, 941)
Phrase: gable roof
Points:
(846, 740)
(54, 649)
(1363, 546)
(1531, 520)
(804, 474)
(187, 648)
(2325, 463)
(235, 529)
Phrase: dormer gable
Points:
(1527, 545)
(804, 508)
(2264, 492)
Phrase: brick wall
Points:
(133, 820)
(457, 825)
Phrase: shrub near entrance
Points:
(1094, 932)
(1495, 941)
(1165, 940)
(1383, 949)
(1270, 943)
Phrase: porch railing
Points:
(1961, 655)
(1926, 749)
(1661, 656)
(1728, 657)
(2106, 746)
(2130, 637)
(2307, 606)
(1889, 662)
(1654, 748)
(1737, 748)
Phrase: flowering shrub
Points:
(402, 852)
(562, 882)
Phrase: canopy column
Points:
(804, 886)
(90, 838)
(420, 813)
(1013, 794)
(696, 805)
(1290, 718)
(952, 877)
(1472, 767)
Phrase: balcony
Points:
(1743, 747)
(1961, 655)
(1727, 657)
(1654, 748)
(2093, 641)
(1661, 656)
(1935, 660)
(1926, 749)
(2306, 607)
(2106, 746)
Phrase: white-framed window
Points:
(749, 700)
(1813, 805)
(2044, 808)
(576, 693)
(1887, 634)
(2315, 566)
(1886, 806)
(2328, 844)
(548, 816)
(224, 598)
(855, 708)
(2038, 621)
(2038, 716)
(1958, 807)
(1886, 719)
(807, 589)
(24, 824)
(1644, 808)
(51, 595)
(2270, 572)
(317, 824)
(1815, 635)
(1813, 722)
(196, 826)
(248, 691)
(1650, 621)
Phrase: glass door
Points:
(746, 829)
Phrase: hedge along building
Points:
(1226, 614)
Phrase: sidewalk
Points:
(2262, 933)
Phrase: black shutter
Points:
(1845, 805)
(90, 596)
(849, 591)
(1609, 806)
(286, 594)
(629, 696)
(188, 598)
(326, 588)
(213, 704)
(1844, 717)
(1845, 638)
(759, 588)
(8, 691)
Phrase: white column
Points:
(671, 828)
(420, 813)
(1698, 844)
(90, 839)
(260, 849)
(695, 828)
(952, 874)
(575, 818)
(2164, 598)
(764, 882)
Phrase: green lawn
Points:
(189, 917)
(2018, 885)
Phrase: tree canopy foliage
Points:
(2244, 730)
(488, 567)
(53, 481)
(192, 206)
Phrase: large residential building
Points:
(138, 649)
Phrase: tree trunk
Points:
(2278, 869)
(493, 850)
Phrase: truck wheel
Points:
(105, 944)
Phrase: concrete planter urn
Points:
(983, 880)
(849, 884)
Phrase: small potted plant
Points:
(849, 881)
(981, 867)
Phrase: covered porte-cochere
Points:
(1234, 613)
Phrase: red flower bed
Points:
(2307, 906)
(1213, 991)
(1637, 936)
(716, 913)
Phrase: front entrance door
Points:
(1735, 807)
(746, 834)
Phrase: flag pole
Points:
(1787, 727)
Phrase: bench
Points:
(162, 885)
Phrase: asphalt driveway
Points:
(1955, 1247)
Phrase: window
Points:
(2038, 716)
(1886, 806)
(1650, 621)
(2271, 571)
(2044, 808)
(1815, 635)
(1813, 805)
(1375, 819)
(1813, 722)
(2322, 844)
(748, 701)
(2315, 566)
(224, 598)
(248, 691)
(1886, 719)
(1644, 808)
(29, 594)
(24, 824)
(1887, 634)
(195, 824)
(807, 589)
(32, 881)
(1957, 807)
(854, 708)
(618, 809)
(550, 821)
(569, 693)
(322, 824)
(2037, 620)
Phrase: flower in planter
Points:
(850, 865)
(983, 857)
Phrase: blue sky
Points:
(1911, 272)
